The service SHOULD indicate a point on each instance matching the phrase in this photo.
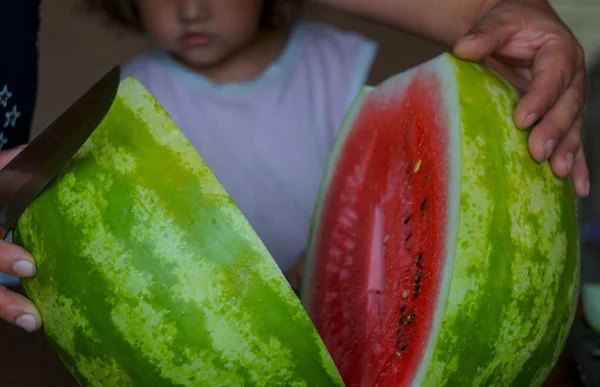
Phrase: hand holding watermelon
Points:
(527, 43)
(15, 260)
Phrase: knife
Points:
(25, 176)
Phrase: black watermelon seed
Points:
(416, 290)
(418, 276)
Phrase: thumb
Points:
(483, 40)
(7, 155)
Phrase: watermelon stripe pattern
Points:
(148, 274)
(516, 269)
(509, 255)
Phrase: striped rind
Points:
(149, 275)
(515, 278)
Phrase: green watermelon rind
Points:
(509, 196)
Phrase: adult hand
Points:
(528, 44)
(14, 260)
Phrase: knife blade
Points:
(26, 175)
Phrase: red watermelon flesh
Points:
(383, 237)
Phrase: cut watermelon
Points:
(149, 274)
(441, 252)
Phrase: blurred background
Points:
(78, 47)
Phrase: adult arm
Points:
(443, 21)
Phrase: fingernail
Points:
(585, 189)
(530, 119)
(467, 37)
(569, 161)
(27, 322)
(24, 268)
(549, 148)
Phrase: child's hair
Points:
(276, 13)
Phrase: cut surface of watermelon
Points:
(439, 247)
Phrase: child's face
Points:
(201, 32)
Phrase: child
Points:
(260, 95)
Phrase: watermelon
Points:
(149, 275)
(441, 253)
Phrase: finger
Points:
(482, 41)
(15, 260)
(553, 73)
(580, 175)
(18, 310)
(565, 116)
(562, 159)
(7, 155)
